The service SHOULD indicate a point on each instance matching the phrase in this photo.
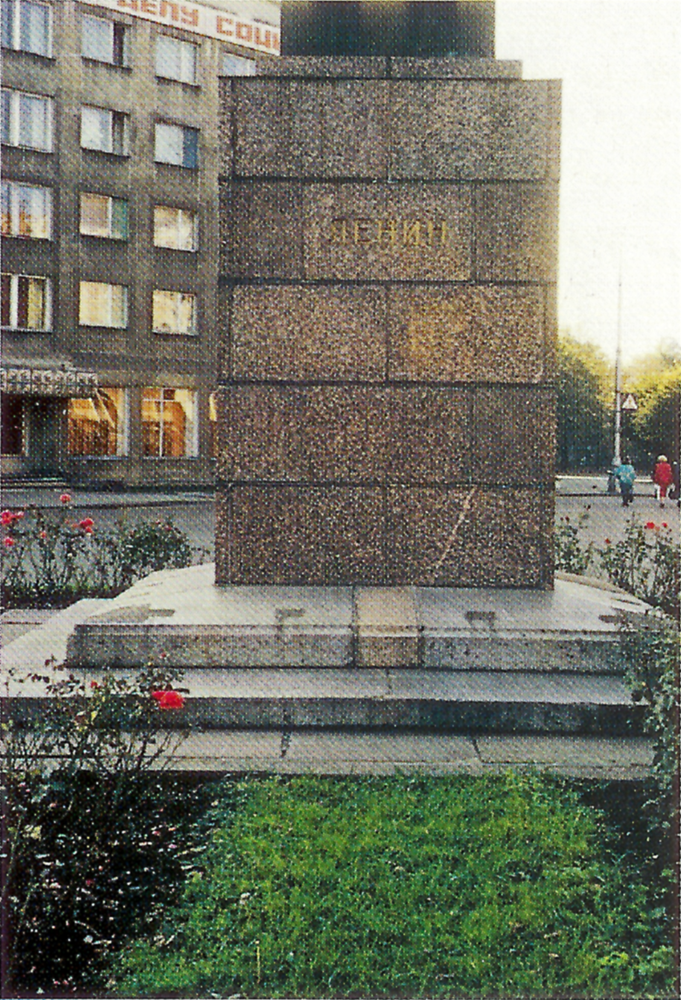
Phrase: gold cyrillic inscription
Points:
(390, 233)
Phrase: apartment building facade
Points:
(110, 233)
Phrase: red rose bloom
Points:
(8, 542)
(650, 524)
(168, 699)
(86, 523)
(65, 498)
(608, 542)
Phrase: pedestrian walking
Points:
(625, 475)
(663, 478)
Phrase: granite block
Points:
(261, 230)
(308, 333)
(514, 435)
(300, 535)
(516, 232)
(447, 334)
(348, 434)
(312, 128)
(430, 435)
(361, 67)
(468, 537)
(367, 67)
(454, 67)
(365, 232)
(470, 130)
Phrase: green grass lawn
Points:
(461, 886)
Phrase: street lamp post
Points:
(617, 459)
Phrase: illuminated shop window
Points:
(27, 26)
(26, 120)
(177, 145)
(103, 305)
(175, 59)
(169, 424)
(213, 423)
(99, 426)
(175, 228)
(174, 312)
(26, 211)
(104, 130)
(103, 216)
(104, 40)
(26, 302)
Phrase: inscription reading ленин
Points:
(390, 233)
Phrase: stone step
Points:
(374, 700)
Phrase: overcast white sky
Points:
(619, 61)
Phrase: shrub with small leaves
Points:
(93, 829)
(569, 553)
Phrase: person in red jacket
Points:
(662, 477)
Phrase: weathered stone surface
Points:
(473, 129)
(516, 232)
(261, 227)
(463, 334)
(291, 128)
(280, 332)
(350, 434)
(369, 232)
(514, 435)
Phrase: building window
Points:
(27, 26)
(174, 312)
(103, 305)
(26, 120)
(104, 130)
(103, 40)
(176, 228)
(26, 302)
(213, 424)
(176, 60)
(177, 144)
(26, 211)
(169, 425)
(101, 215)
(13, 436)
(237, 65)
(99, 426)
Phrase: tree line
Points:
(585, 383)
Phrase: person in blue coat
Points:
(625, 476)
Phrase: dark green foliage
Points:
(52, 559)
(584, 386)
(406, 887)
(569, 553)
(94, 840)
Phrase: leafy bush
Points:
(50, 559)
(569, 553)
(91, 832)
(405, 887)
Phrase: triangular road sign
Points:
(629, 402)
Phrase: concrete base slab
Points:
(181, 616)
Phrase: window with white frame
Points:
(102, 215)
(26, 210)
(98, 426)
(169, 423)
(26, 302)
(103, 40)
(175, 59)
(102, 304)
(104, 130)
(175, 228)
(213, 423)
(174, 312)
(27, 26)
(26, 120)
(237, 65)
(177, 144)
